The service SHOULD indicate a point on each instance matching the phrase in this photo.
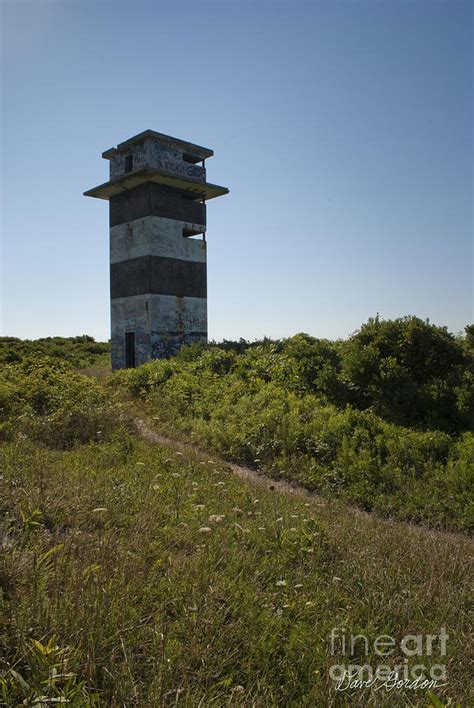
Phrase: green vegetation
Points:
(50, 403)
(135, 574)
(334, 417)
(76, 351)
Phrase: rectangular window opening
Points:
(191, 158)
(188, 233)
(129, 163)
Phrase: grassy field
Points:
(138, 574)
(157, 579)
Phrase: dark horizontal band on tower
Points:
(157, 275)
(151, 199)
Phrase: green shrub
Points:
(78, 351)
(411, 372)
(48, 402)
(283, 408)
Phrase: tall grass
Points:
(158, 579)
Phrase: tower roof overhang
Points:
(196, 190)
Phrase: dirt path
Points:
(244, 472)
(262, 480)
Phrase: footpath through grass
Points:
(244, 407)
(163, 580)
(133, 574)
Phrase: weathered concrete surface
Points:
(155, 236)
(158, 288)
(162, 323)
(151, 153)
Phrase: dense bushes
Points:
(412, 373)
(77, 351)
(48, 402)
(407, 371)
(328, 414)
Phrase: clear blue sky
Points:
(343, 130)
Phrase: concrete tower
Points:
(158, 285)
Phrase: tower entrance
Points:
(129, 350)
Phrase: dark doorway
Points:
(129, 350)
